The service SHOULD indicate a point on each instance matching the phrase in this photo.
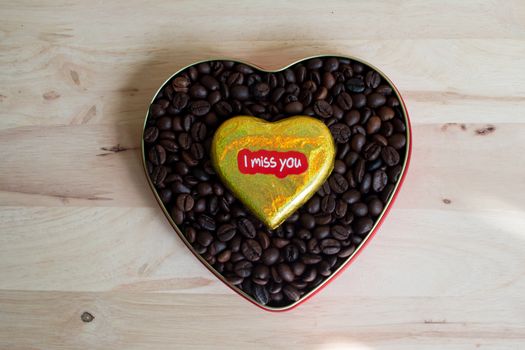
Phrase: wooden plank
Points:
(152, 321)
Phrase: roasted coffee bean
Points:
(240, 92)
(270, 256)
(340, 232)
(307, 221)
(151, 134)
(375, 100)
(311, 259)
(373, 125)
(397, 141)
(243, 268)
(328, 204)
(358, 141)
(375, 207)
(251, 250)
(290, 253)
(246, 228)
(366, 183)
(379, 180)
(261, 294)
(344, 100)
(355, 85)
(210, 82)
(200, 107)
(372, 79)
(371, 151)
(359, 170)
(177, 216)
(285, 272)
(159, 174)
(157, 155)
(341, 132)
(206, 222)
(204, 238)
(313, 205)
(184, 202)
(323, 109)
(338, 183)
(223, 108)
(359, 209)
(293, 107)
(330, 246)
(390, 156)
(276, 267)
(198, 131)
(351, 196)
(363, 225)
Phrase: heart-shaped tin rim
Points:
(366, 239)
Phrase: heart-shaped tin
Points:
(276, 256)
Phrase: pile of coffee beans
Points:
(276, 267)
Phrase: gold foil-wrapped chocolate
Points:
(273, 168)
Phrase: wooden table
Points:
(80, 232)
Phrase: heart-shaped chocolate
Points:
(240, 235)
(298, 151)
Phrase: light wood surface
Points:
(81, 232)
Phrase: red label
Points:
(280, 164)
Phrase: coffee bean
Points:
(363, 225)
(341, 132)
(344, 100)
(323, 109)
(210, 82)
(251, 250)
(375, 100)
(372, 79)
(313, 205)
(291, 293)
(261, 294)
(223, 108)
(285, 272)
(390, 156)
(184, 202)
(181, 84)
(340, 232)
(328, 204)
(151, 134)
(311, 259)
(397, 141)
(373, 125)
(206, 222)
(246, 228)
(204, 238)
(200, 107)
(293, 107)
(375, 207)
(240, 92)
(307, 221)
(338, 183)
(243, 268)
(331, 64)
(358, 141)
(371, 151)
(177, 216)
(379, 180)
(355, 85)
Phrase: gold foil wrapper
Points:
(274, 196)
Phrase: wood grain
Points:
(80, 231)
